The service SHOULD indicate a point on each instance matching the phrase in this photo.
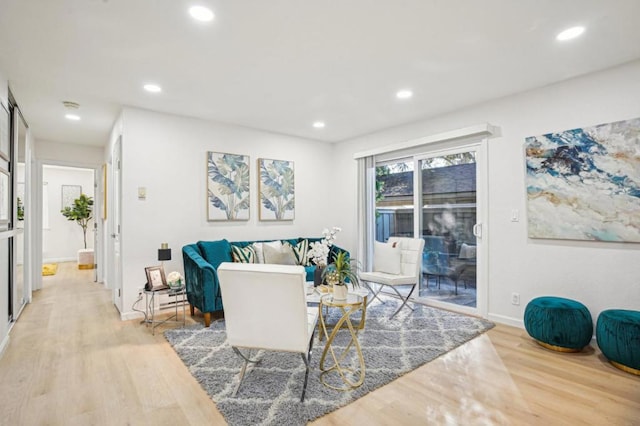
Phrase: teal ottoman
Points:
(618, 336)
(558, 324)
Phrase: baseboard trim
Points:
(131, 315)
(4, 345)
(506, 320)
(59, 259)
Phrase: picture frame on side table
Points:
(276, 188)
(228, 184)
(156, 279)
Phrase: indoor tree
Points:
(80, 212)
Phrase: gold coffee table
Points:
(351, 305)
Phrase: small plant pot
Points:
(85, 259)
(340, 292)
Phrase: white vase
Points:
(340, 292)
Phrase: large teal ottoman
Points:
(618, 336)
(558, 324)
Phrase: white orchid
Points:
(319, 251)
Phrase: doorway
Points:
(67, 239)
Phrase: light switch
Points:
(142, 193)
(515, 215)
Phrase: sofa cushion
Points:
(281, 256)
(300, 251)
(386, 258)
(243, 254)
(215, 252)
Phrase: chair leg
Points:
(244, 367)
(307, 363)
(404, 300)
(375, 293)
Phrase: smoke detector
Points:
(70, 105)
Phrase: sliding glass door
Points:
(434, 196)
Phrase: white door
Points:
(116, 214)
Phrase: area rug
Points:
(49, 269)
(270, 391)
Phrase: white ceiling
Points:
(280, 65)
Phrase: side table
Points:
(179, 295)
(351, 305)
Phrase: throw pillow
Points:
(259, 249)
(282, 256)
(300, 251)
(386, 258)
(243, 254)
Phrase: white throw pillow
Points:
(386, 258)
(282, 256)
(259, 249)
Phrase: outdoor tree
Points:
(81, 212)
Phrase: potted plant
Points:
(342, 270)
(82, 212)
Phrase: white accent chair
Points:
(265, 307)
(410, 271)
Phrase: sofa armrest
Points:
(201, 280)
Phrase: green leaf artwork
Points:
(227, 186)
(277, 190)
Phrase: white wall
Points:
(63, 238)
(167, 155)
(69, 154)
(600, 275)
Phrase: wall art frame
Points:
(228, 187)
(276, 189)
(5, 199)
(69, 194)
(5, 143)
(584, 183)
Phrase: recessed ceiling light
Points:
(404, 94)
(319, 124)
(201, 13)
(153, 88)
(73, 117)
(570, 33)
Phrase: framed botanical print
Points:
(276, 187)
(227, 186)
(156, 279)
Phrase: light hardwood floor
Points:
(72, 361)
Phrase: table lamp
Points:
(164, 253)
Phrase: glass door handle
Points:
(477, 230)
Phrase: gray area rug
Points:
(270, 391)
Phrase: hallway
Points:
(71, 360)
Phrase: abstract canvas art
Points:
(227, 186)
(584, 184)
(277, 189)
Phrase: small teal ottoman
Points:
(618, 336)
(558, 324)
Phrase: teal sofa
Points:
(201, 261)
